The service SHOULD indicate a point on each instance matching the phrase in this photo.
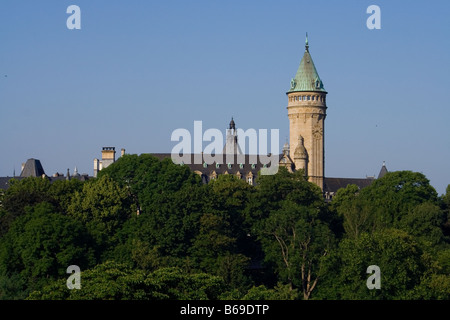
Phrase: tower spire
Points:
(306, 43)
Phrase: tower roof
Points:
(307, 78)
(383, 171)
(32, 168)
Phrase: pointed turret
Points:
(231, 144)
(306, 78)
(301, 155)
(383, 171)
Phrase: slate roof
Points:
(332, 185)
(4, 182)
(32, 168)
(383, 171)
(251, 164)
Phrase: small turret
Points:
(301, 155)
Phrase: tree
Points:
(103, 206)
(296, 240)
(115, 281)
(424, 222)
(146, 178)
(446, 208)
(402, 264)
(20, 194)
(395, 194)
(40, 245)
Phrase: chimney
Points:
(122, 152)
(108, 156)
(96, 167)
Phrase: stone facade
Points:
(307, 112)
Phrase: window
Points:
(250, 180)
(205, 165)
(229, 166)
(241, 166)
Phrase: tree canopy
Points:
(149, 229)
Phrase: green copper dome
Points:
(307, 78)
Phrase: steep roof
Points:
(32, 168)
(383, 171)
(307, 78)
(334, 184)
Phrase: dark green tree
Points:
(403, 267)
(113, 281)
(20, 194)
(293, 224)
(39, 246)
(103, 206)
(395, 194)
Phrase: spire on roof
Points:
(307, 78)
(231, 144)
(232, 124)
(306, 43)
(383, 171)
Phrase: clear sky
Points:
(138, 70)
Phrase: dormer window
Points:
(318, 84)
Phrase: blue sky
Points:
(138, 70)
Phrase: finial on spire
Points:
(232, 124)
(306, 43)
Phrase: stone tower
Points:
(307, 111)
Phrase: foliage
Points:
(113, 281)
(102, 206)
(400, 259)
(149, 229)
(41, 244)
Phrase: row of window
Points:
(229, 165)
(307, 98)
(249, 178)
